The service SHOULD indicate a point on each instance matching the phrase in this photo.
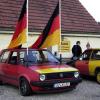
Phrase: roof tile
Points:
(74, 16)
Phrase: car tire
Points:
(24, 87)
(98, 77)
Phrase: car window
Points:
(13, 58)
(36, 57)
(28, 59)
(96, 54)
(21, 57)
(49, 57)
(4, 56)
(86, 55)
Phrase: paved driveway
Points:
(87, 90)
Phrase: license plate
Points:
(57, 85)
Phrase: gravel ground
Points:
(87, 90)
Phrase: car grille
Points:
(59, 75)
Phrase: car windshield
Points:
(38, 57)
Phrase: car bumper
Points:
(49, 85)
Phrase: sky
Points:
(93, 7)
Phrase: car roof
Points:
(91, 49)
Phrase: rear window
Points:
(4, 56)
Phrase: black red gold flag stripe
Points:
(51, 33)
(19, 36)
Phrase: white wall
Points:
(94, 42)
(6, 38)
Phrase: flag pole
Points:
(60, 25)
(60, 18)
(27, 25)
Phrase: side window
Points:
(96, 55)
(4, 56)
(21, 57)
(13, 58)
(86, 55)
(29, 59)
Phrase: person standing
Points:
(76, 50)
(88, 45)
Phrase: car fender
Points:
(24, 76)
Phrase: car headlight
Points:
(42, 77)
(76, 74)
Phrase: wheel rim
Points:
(98, 77)
(23, 87)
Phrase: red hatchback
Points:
(36, 70)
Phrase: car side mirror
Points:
(80, 58)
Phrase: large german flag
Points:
(19, 36)
(51, 34)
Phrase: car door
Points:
(94, 61)
(12, 68)
(83, 63)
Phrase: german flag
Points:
(51, 33)
(19, 36)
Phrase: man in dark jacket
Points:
(76, 50)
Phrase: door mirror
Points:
(80, 58)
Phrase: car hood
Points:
(43, 69)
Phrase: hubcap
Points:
(98, 77)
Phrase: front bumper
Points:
(49, 85)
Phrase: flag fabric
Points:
(51, 33)
(19, 36)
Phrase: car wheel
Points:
(98, 77)
(24, 87)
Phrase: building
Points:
(76, 23)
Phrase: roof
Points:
(74, 17)
(99, 24)
(92, 49)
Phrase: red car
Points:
(36, 70)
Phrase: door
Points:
(12, 68)
(83, 63)
(94, 61)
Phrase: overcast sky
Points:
(93, 7)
